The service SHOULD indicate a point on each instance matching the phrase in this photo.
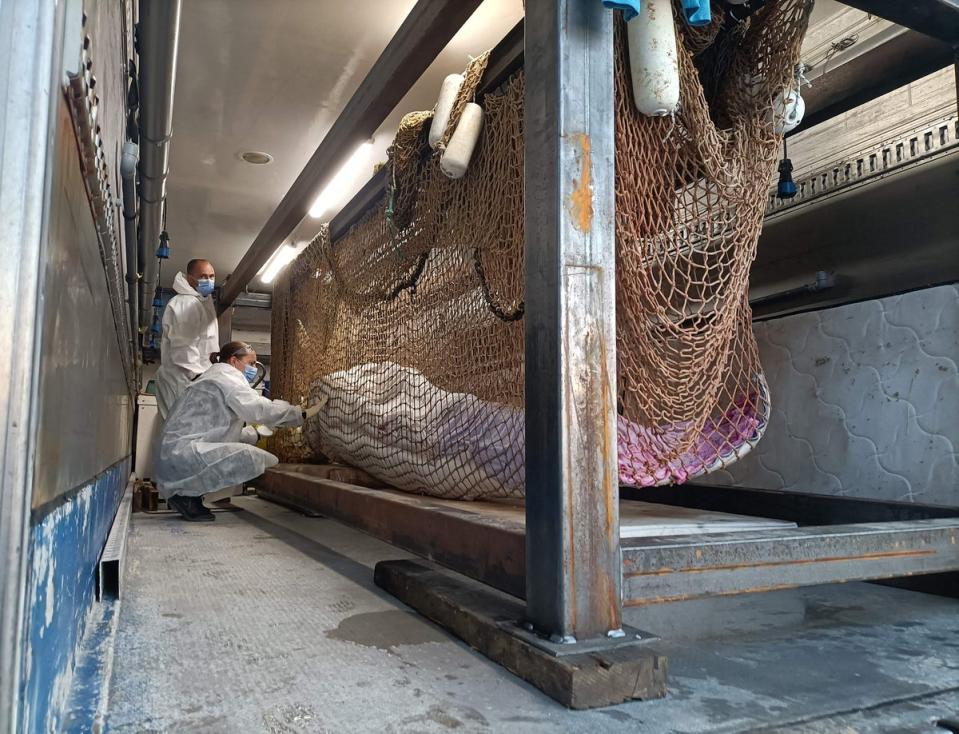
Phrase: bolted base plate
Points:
(579, 675)
(630, 636)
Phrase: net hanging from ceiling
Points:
(411, 325)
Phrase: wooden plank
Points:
(484, 619)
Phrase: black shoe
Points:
(205, 512)
(191, 508)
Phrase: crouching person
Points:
(203, 447)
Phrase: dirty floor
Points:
(268, 621)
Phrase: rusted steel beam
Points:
(573, 567)
(657, 570)
(485, 548)
(427, 29)
(481, 541)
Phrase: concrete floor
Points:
(268, 621)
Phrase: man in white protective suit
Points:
(190, 333)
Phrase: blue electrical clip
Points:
(787, 187)
(163, 251)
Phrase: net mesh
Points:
(411, 325)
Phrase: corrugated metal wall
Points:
(85, 409)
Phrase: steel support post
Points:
(573, 567)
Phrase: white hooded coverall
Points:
(200, 445)
(190, 334)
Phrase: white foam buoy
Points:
(456, 157)
(449, 90)
(653, 63)
(787, 111)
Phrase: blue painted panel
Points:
(65, 546)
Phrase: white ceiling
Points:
(273, 77)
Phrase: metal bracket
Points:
(630, 637)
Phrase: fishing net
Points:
(410, 327)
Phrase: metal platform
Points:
(696, 551)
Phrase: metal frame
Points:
(572, 561)
(657, 570)
(847, 539)
(31, 43)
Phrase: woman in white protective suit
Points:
(204, 446)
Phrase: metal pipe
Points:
(159, 36)
(427, 29)
(824, 281)
(128, 171)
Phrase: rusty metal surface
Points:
(488, 549)
(659, 570)
(572, 510)
(475, 539)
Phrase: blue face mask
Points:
(205, 287)
(249, 372)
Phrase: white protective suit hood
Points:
(190, 334)
(200, 446)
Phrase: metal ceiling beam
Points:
(892, 59)
(427, 29)
(936, 18)
(504, 59)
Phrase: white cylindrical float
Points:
(449, 90)
(456, 157)
(653, 62)
(787, 111)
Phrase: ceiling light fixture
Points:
(343, 178)
(256, 157)
(281, 257)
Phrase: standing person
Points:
(202, 446)
(190, 333)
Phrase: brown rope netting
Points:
(412, 324)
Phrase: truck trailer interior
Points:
(577, 366)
